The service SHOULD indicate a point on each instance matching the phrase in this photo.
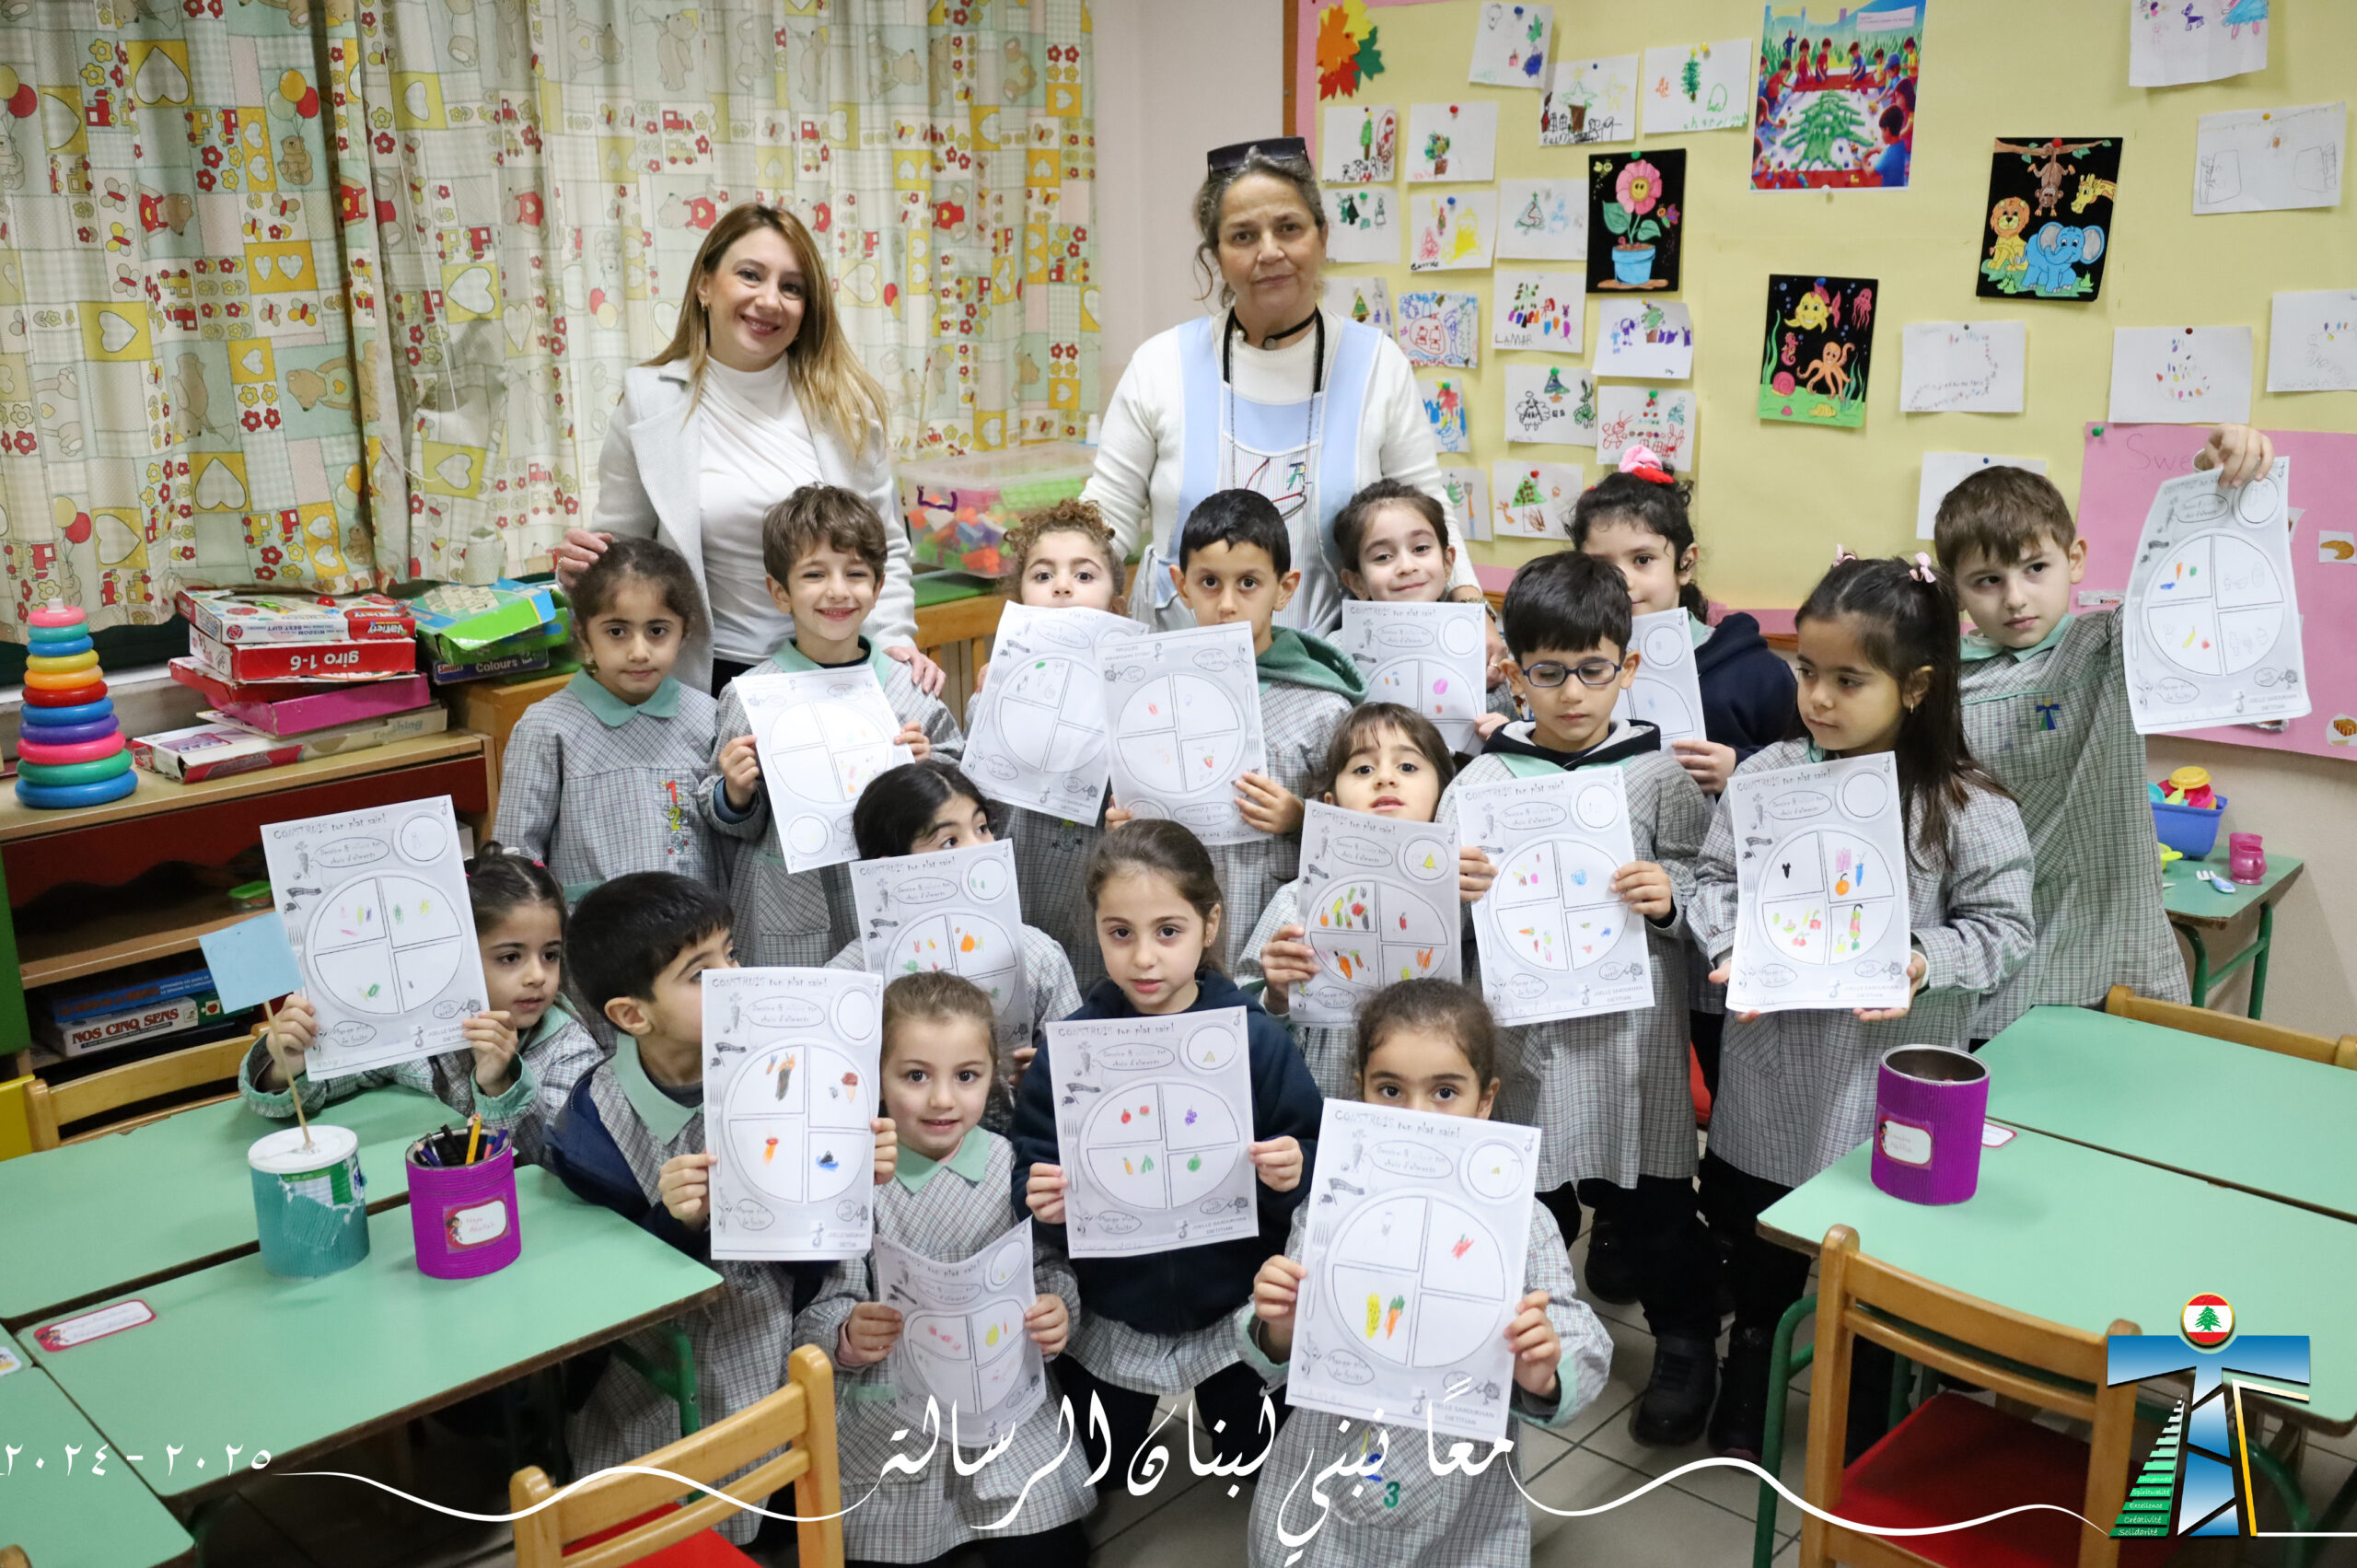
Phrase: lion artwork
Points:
(2008, 218)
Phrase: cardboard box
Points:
(459, 623)
(517, 664)
(299, 710)
(250, 664)
(219, 747)
(85, 1036)
(227, 617)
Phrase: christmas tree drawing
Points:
(1532, 220)
(1526, 492)
(1830, 119)
(1689, 79)
(1555, 388)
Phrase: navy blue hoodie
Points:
(1178, 1292)
(1749, 699)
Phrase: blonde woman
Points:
(758, 394)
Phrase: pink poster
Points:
(2124, 465)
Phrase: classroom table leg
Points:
(2201, 965)
(2258, 965)
(1784, 1364)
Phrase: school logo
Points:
(2196, 1482)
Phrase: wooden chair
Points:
(48, 1108)
(14, 1557)
(1953, 1458)
(2122, 1002)
(615, 1520)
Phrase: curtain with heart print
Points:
(176, 397)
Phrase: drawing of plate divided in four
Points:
(1162, 1143)
(1046, 714)
(973, 1360)
(1435, 688)
(2215, 606)
(960, 941)
(1368, 931)
(1660, 702)
(799, 1107)
(831, 750)
(1825, 894)
(1182, 735)
(385, 943)
(1553, 902)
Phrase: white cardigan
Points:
(650, 481)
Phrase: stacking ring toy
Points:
(65, 680)
(58, 715)
(49, 644)
(76, 772)
(57, 615)
(62, 696)
(65, 753)
(40, 663)
(53, 797)
(49, 737)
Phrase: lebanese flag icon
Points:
(2209, 1320)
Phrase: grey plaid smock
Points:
(1611, 1093)
(1403, 1513)
(1299, 723)
(595, 788)
(1052, 877)
(1331, 1049)
(1797, 1090)
(2053, 724)
(902, 1518)
(785, 919)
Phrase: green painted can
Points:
(311, 1202)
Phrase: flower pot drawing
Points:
(1632, 265)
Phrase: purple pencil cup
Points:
(1929, 1106)
(463, 1217)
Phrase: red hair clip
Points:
(1644, 463)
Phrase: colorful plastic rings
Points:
(62, 696)
(62, 681)
(56, 734)
(54, 796)
(45, 714)
(75, 773)
(65, 753)
(61, 664)
(57, 615)
(49, 642)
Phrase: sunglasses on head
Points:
(1236, 155)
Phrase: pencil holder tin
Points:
(463, 1217)
(1928, 1106)
(311, 1202)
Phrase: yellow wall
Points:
(1772, 499)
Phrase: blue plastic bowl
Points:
(2191, 833)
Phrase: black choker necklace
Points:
(1315, 319)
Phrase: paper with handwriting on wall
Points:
(1468, 492)
(1452, 142)
(2312, 342)
(1361, 144)
(1534, 500)
(2171, 43)
(1417, 1252)
(1439, 328)
(1963, 367)
(1366, 301)
(1431, 657)
(1589, 100)
(1645, 340)
(1154, 1115)
(1556, 941)
(1510, 44)
(1038, 726)
(963, 1345)
(1451, 230)
(2180, 376)
(1377, 898)
(1537, 311)
(821, 736)
(791, 1084)
(954, 910)
(1661, 418)
(2212, 616)
(1700, 87)
(1184, 709)
(1943, 472)
(1668, 689)
(2261, 160)
(375, 906)
(1821, 916)
(1552, 404)
(1542, 220)
(1366, 225)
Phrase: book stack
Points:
(128, 1006)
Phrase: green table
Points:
(2195, 906)
(94, 1219)
(77, 1511)
(2258, 1120)
(298, 1368)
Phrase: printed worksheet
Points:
(1185, 714)
(1038, 733)
(1431, 657)
(1645, 340)
(1556, 941)
(375, 909)
(1510, 45)
(1541, 311)
(1418, 1244)
(963, 1346)
(2171, 43)
(1153, 1119)
(2261, 160)
(2180, 376)
(1698, 86)
(1550, 405)
(1378, 904)
(1822, 914)
(1962, 367)
(2312, 342)
(1589, 100)
(1542, 220)
(2213, 618)
(791, 1083)
(955, 910)
(1943, 472)
(1452, 142)
(1668, 689)
(823, 735)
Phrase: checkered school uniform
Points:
(2053, 724)
(1051, 859)
(1299, 722)
(1610, 1092)
(1797, 1090)
(785, 919)
(1331, 1049)
(1403, 1513)
(955, 1209)
(595, 788)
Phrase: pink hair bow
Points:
(1841, 553)
(1644, 463)
(1921, 571)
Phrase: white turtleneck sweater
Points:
(757, 451)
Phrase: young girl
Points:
(918, 808)
(1160, 1323)
(1878, 665)
(1060, 557)
(525, 1050)
(1386, 760)
(1394, 539)
(1425, 1045)
(600, 780)
(948, 1199)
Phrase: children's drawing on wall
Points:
(1541, 220)
(1550, 405)
(1439, 329)
(1451, 230)
(1510, 45)
(1837, 96)
(2180, 376)
(1821, 343)
(1637, 199)
(1555, 940)
(2264, 160)
(1452, 141)
(1963, 367)
(1378, 896)
(2174, 42)
(1445, 410)
(1467, 492)
(1366, 301)
(1360, 146)
(1658, 417)
(1820, 886)
(1535, 500)
(1364, 227)
(2212, 618)
(2312, 345)
(1541, 311)
(1697, 86)
(2048, 216)
(1589, 100)
(1649, 339)
(1349, 49)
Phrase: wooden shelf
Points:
(150, 930)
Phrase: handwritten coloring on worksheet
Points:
(1537, 311)
(2171, 43)
(375, 904)
(1451, 230)
(1431, 657)
(1418, 1244)
(2261, 160)
(955, 910)
(821, 735)
(1366, 301)
(963, 1345)
(1038, 726)
(790, 1088)
(2213, 619)
(2312, 343)
(1550, 404)
(1510, 45)
(1366, 225)
(1542, 220)
(1963, 367)
(1645, 340)
(1439, 329)
(1452, 142)
(1361, 144)
(1154, 1115)
(2180, 376)
(1377, 898)
(1590, 100)
(1821, 916)
(1943, 472)
(1668, 689)
(1534, 500)
(1659, 418)
(1699, 87)
(1556, 941)
(1185, 710)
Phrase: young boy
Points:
(1567, 625)
(1393, 540)
(823, 550)
(2045, 698)
(631, 1138)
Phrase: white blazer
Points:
(650, 481)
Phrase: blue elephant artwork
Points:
(2048, 227)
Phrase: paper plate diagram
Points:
(2215, 606)
(831, 750)
(1825, 895)
(1160, 1143)
(796, 1116)
(963, 944)
(1555, 905)
(385, 944)
(1417, 1280)
(1036, 712)
(969, 1358)
(1182, 735)
(1368, 934)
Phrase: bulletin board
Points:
(1773, 499)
